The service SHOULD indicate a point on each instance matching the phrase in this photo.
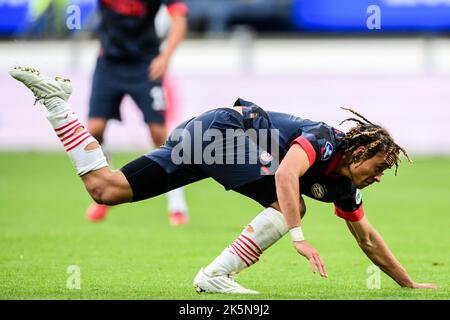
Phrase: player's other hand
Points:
(158, 67)
(306, 250)
(424, 286)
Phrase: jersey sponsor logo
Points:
(265, 157)
(358, 196)
(327, 151)
(317, 191)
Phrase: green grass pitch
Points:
(135, 254)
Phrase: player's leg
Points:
(262, 232)
(104, 185)
(104, 104)
(175, 199)
(249, 179)
(108, 187)
(150, 98)
(217, 277)
(97, 127)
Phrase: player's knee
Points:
(110, 189)
(105, 196)
(102, 193)
(95, 190)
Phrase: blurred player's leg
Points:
(97, 212)
(104, 185)
(177, 207)
(266, 229)
(97, 127)
(176, 202)
(150, 97)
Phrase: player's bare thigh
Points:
(108, 187)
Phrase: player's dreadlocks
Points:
(374, 138)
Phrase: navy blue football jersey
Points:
(127, 27)
(321, 143)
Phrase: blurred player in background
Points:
(309, 158)
(131, 62)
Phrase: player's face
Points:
(369, 171)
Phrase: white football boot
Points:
(219, 284)
(43, 87)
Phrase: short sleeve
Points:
(350, 209)
(307, 147)
(310, 145)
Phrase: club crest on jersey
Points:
(265, 157)
(327, 151)
(317, 191)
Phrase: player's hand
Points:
(424, 286)
(306, 250)
(158, 67)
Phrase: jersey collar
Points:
(337, 157)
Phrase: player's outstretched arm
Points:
(291, 168)
(377, 250)
(158, 66)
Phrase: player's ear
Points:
(358, 151)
